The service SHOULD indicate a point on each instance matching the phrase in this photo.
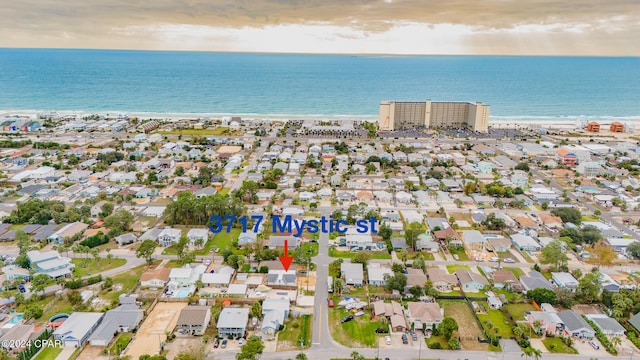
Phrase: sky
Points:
(486, 27)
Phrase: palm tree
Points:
(616, 341)
(537, 354)
(355, 355)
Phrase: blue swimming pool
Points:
(182, 293)
(15, 319)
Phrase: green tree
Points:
(74, 297)
(179, 171)
(571, 215)
(524, 166)
(39, 282)
(146, 250)
(251, 349)
(106, 209)
(384, 231)
(362, 257)
(494, 223)
(453, 343)
(447, 327)
(120, 221)
(634, 249)
(554, 254)
(541, 295)
(411, 234)
(397, 281)
(589, 287)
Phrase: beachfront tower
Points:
(397, 115)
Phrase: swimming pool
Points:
(13, 321)
(182, 293)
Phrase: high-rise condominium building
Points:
(396, 115)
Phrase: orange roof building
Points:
(593, 127)
(616, 127)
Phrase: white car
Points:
(387, 339)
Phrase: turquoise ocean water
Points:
(323, 86)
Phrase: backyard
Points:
(296, 331)
(123, 283)
(517, 310)
(460, 252)
(359, 332)
(89, 266)
(468, 327)
(121, 343)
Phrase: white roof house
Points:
(376, 274)
(77, 328)
(564, 280)
(215, 279)
(233, 321)
(353, 273)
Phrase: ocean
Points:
(313, 86)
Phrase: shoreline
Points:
(496, 122)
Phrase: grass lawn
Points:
(499, 321)
(173, 264)
(437, 339)
(359, 332)
(220, 240)
(224, 191)
(89, 266)
(505, 255)
(546, 274)
(517, 272)
(555, 345)
(121, 343)
(60, 306)
(450, 293)
(517, 310)
(297, 330)
(348, 254)
(149, 220)
(126, 281)
(590, 218)
(48, 353)
(459, 250)
(468, 327)
(527, 257)
(453, 268)
(479, 294)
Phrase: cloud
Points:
(130, 23)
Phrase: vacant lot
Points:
(359, 332)
(468, 327)
(517, 310)
(89, 266)
(153, 330)
(453, 268)
(297, 331)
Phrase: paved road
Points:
(257, 155)
(321, 336)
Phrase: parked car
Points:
(387, 339)
(224, 344)
(414, 336)
(241, 341)
(509, 260)
(594, 345)
(22, 289)
(347, 318)
(330, 301)
(494, 259)
(405, 339)
(216, 343)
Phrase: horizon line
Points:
(313, 53)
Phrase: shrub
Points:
(434, 345)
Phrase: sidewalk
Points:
(66, 353)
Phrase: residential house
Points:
(77, 328)
(218, 280)
(575, 325)
(13, 272)
(233, 322)
(399, 244)
(470, 281)
(499, 243)
(50, 263)
(169, 236)
(503, 279)
(441, 280)
(377, 274)
(67, 231)
(194, 320)
(353, 274)
(525, 243)
(415, 277)
(196, 236)
(17, 338)
(249, 237)
(534, 280)
(424, 316)
(126, 239)
(493, 301)
(277, 242)
(473, 239)
(185, 277)
(282, 278)
(548, 322)
(207, 191)
(550, 221)
(274, 311)
(155, 278)
(123, 318)
(564, 280)
(607, 325)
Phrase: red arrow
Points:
(286, 259)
